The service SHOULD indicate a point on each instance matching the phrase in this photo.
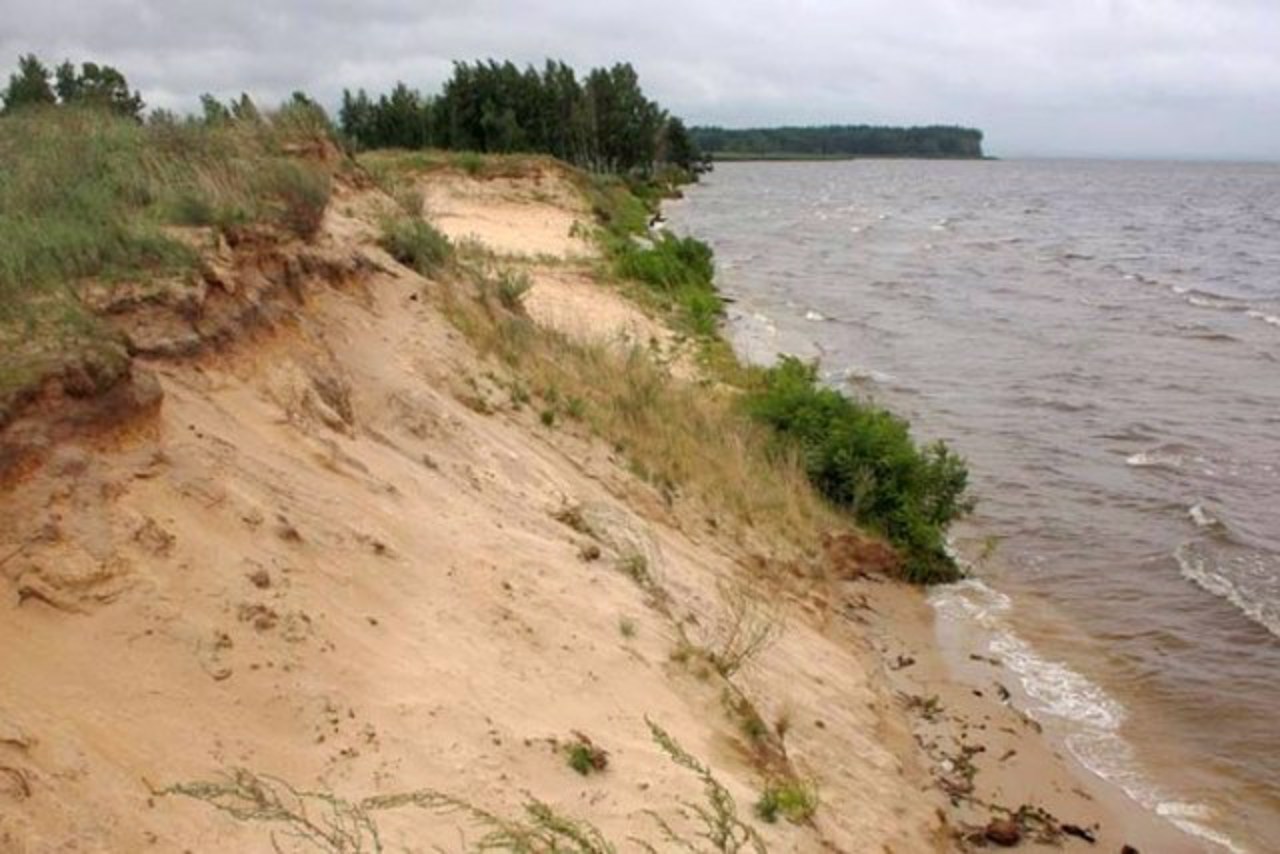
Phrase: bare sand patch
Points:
(532, 217)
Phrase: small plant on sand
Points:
(312, 820)
(415, 243)
(793, 799)
(511, 287)
(636, 567)
(627, 627)
(585, 756)
(747, 627)
(573, 516)
(717, 819)
(301, 820)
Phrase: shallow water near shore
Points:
(1102, 341)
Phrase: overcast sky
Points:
(1195, 78)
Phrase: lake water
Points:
(1101, 340)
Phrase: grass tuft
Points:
(793, 799)
(415, 243)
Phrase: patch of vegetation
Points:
(316, 820)
(90, 195)
(574, 517)
(678, 271)
(747, 627)
(862, 458)
(676, 435)
(320, 820)
(793, 799)
(585, 756)
(512, 285)
(416, 243)
(720, 827)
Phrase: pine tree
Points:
(29, 86)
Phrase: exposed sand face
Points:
(574, 303)
(321, 562)
(537, 216)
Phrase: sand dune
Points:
(341, 555)
(320, 561)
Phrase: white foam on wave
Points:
(1190, 818)
(1200, 569)
(1153, 459)
(1263, 316)
(1092, 717)
(1057, 689)
(814, 316)
(856, 373)
(1202, 517)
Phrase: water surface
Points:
(1102, 341)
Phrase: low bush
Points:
(679, 270)
(862, 458)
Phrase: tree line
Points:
(843, 140)
(603, 122)
(35, 84)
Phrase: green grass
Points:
(795, 800)
(416, 243)
(678, 271)
(90, 197)
(863, 459)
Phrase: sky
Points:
(1108, 78)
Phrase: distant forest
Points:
(841, 141)
(602, 122)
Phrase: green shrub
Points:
(678, 269)
(794, 800)
(862, 458)
(670, 264)
(415, 243)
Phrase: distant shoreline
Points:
(800, 156)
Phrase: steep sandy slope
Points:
(332, 556)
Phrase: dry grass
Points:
(687, 439)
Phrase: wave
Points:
(1053, 403)
(1272, 319)
(1202, 518)
(1199, 568)
(1202, 300)
(1093, 717)
(1154, 459)
(857, 373)
(816, 317)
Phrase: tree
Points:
(29, 86)
(677, 146)
(213, 110)
(98, 85)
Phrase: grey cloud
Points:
(1094, 77)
